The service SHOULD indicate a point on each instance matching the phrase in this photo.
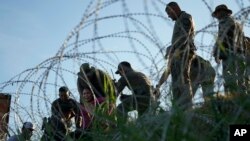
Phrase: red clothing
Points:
(87, 117)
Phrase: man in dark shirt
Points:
(229, 49)
(201, 73)
(140, 86)
(181, 55)
(63, 110)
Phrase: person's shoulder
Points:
(131, 72)
(56, 101)
(185, 18)
(185, 15)
(231, 18)
(79, 73)
(101, 72)
(100, 99)
(227, 20)
(138, 73)
(73, 101)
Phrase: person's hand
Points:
(79, 129)
(114, 82)
(45, 121)
(156, 91)
(176, 54)
(217, 60)
(123, 97)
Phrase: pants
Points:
(181, 83)
(140, 101)
(234, 70)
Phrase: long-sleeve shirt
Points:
(66, 109)
(183, 33)
(138, 83)
(230, 38)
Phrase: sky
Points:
(32, 32)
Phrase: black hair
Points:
(171, 4)
(24, 125)
(63, 89)
(87, 87)
(125, 64)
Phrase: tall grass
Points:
(208, 122)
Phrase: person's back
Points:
(135, 81)
(103, 85)
(201, 70)
(98, 80)
(225, 42)
(202, 73)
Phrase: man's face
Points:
(121, 70)
(218, 14)
(64, 96)
(171, 13)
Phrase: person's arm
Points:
(163, 78)
(78, 115)
(79, 86)
(54, 109)
(216, 53)
(86, 118)
(78, 120)
(120, 85)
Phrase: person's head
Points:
(64, 93)
(85, 67)
(173, 10)
(88, 95)
(221, 11)
(27, 130)
(123, 67)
